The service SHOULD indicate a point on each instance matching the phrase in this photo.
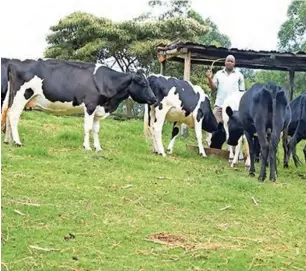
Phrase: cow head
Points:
(140, 90)
(235, 129)
(218, 137)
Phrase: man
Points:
(225, 82)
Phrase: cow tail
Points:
(294, 138)
(146, 121)
(8, 101)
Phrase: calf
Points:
(264, 109)
(232, 102)
(178, 101)
(76, 84)
(296, 129)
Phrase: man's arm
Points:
(211, 82)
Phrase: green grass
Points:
(182, 195)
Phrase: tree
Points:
(291, 37)
(128, 45)
(292, 33)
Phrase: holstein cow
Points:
(264, 109)
(179, 101)
(236, 153)
(75, 84)
(296, 129)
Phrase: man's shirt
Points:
(227, 83)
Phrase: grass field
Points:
(127, 209)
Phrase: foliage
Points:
(292, 34)
(113, 201)
(291, 37)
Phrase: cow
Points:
(296, 129)
(180, 102)
(76, 83)
(236, 153)
(263, 110)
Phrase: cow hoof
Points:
(6, 142)
(99, 149)
(87, 148)
(252, 174)
(286, 166)
(17, 144)
(203, 155)
(233, 165)
(261, 178)
(169, 151)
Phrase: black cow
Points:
(296, 129)
(179, 102)
(75, 83)
(264, 109)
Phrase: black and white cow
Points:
(76, 84)
(236, 152)
(264, 109)
(296, 129)
(179, 101)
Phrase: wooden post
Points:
(291, 79)
(163, 67)
(187, 67)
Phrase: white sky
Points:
(25, 23)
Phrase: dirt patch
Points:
(172, 240)
(166, 238)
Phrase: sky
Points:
(25, 23)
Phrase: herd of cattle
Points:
(258, 116)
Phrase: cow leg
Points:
(208, 138)
(241, 156)
(296, 159)
(157, 129)
(247, 152)
(15, 112)
(8, 131)
(198, 132)
(237, 152)
(285, 147)
(88, 125)
(249, 138)
(264, 147)
(95, 133)
(231, 154)
(292, 149)
(175, 132)
(151, 131)
(275, 138)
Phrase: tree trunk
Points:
(129, 106)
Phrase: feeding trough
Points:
(210, 151)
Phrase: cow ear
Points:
(229, 111)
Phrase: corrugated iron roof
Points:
(180, 45)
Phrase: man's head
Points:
(230, 62)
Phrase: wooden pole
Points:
(291, 79)
(187, 67)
